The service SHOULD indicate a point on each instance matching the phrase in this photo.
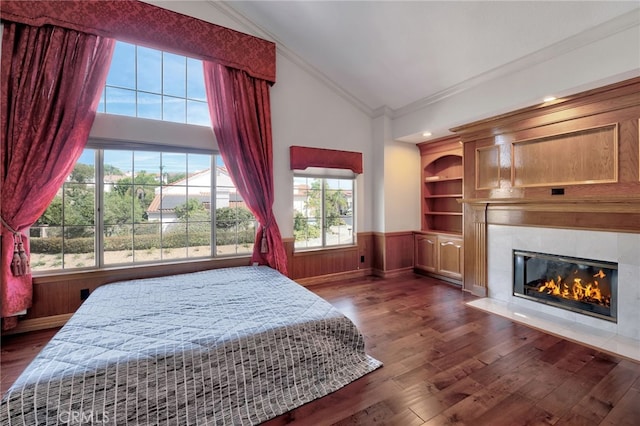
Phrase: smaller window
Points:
(323, 212)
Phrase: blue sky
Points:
(163, 85)
(158, 85)
(130, 161)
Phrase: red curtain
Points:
(301, 157)
(51, 84)
(138, 22)
(241, 116)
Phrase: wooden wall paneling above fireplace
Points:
(571, 163)
(438, 246)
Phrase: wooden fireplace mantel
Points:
(613, 214)
(594, 214)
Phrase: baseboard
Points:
(320, 279)
(479, 291)
(453, 281)
(393, 273)
(36, 324)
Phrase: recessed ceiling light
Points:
(549, 99)
(426, 134)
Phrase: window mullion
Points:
(187, 212)
(160, 208)
(135, 76)
(99, 208)
(132, 191)
(63, 225)
(214, 203)
(323, 219)
(162, 85)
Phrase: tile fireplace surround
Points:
(622, 338)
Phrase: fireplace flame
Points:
(589, 292)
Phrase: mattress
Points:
(233, 346)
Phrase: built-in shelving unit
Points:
(438, 245)
(442, 188)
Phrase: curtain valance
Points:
(142, 23)
(302, 157)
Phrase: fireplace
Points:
(580, 285)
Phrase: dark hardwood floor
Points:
(445, 364)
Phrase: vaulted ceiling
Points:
(392, 54)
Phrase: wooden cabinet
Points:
(439, 254)
(438, 248)
(426, 252)
(450, 254)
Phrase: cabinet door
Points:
(450, 256)
(426, 252)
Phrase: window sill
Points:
(133, 271)
(319, 250)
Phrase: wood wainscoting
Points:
(570, 163)
(57, 296)
(317, 266)
(393, 253)
(376, 253)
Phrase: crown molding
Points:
(621, 23)
(383, 111)
(606, 29)
(227, 9)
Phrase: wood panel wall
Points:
(393, 253)
(315, 266)
(580, 157)
(57, 296)
(570, 163)
(377, 253)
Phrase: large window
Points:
(151, 206)
(164, 195)
(323, 212)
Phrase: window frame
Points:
(323, 175)
(133, 133)
(164, 95)
(100, 206)
(99, 223)
(99, 149)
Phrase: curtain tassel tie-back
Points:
(263, 244)
(20, 262)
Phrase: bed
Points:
(233, 346)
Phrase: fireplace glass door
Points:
(581, 285)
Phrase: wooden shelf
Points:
(444, 196)
(441, 179)
(442, 175)
(444, 213)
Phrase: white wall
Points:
(305, 113)
(200, 9)
(401, 187)
(597, 63)
(381, 133)
(396, 193)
